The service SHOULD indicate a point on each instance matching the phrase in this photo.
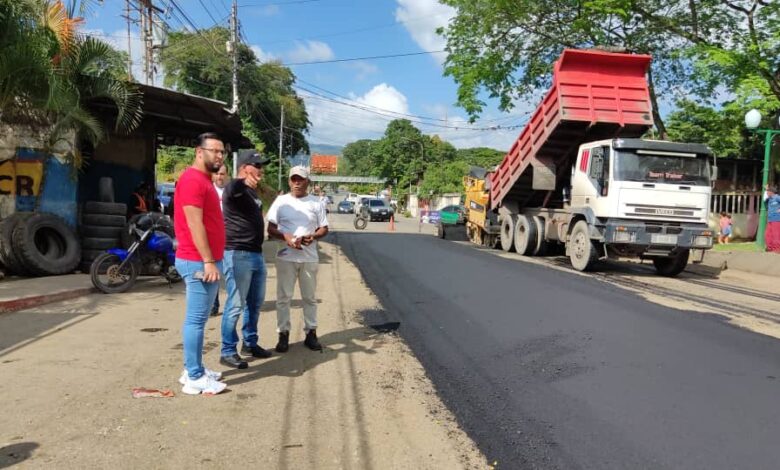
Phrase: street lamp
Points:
(752, 121)
(422, 157)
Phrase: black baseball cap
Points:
(251, 157)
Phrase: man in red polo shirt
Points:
(200, 232)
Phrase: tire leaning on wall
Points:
(8, 254)
(46, 245)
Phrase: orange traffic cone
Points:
(391, 228)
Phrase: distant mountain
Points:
(326, 149)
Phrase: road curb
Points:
(13, 305)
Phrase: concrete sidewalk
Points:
(767, 264)
(17, 293)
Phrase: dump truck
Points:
(580, 177)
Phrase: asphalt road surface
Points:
(549, 369)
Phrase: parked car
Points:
(453, 214)
(378, 209)
(164, 193)
(345, 207)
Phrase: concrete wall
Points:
(34, 178)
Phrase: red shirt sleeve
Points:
(192, 194)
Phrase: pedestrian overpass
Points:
(347, 179)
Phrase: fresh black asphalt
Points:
(550, 369)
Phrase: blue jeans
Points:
(200, 298)
(245, 275)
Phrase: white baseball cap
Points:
(299, 170)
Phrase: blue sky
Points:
(295, 31)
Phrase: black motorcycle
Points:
(150, 250)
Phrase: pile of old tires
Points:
(102, 224)
(38, 244)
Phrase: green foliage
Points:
(482, 157)
(507, 48)
(447, 178)
(45, 82)
(202, 68)
(720, 130)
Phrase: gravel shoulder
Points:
(363, 403)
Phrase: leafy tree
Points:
(199, 66)
(482, 157)
(48, 73)
(447, 178)
(507, 47)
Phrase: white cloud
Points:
(310, 51)
(363, 69)
(339, 124)
(421, 18)
(268, 10)
(261, 55)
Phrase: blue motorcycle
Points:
(151, 252)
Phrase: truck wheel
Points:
(508, 233)
(541, 242)
(525, 235)
(582, 251)
(671, 267)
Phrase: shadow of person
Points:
(299, 358)
(16, 453)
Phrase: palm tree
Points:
(48, 71)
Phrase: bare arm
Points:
(194, 217)
(319, 233)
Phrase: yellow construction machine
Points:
(482, 227)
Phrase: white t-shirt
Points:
(299, 216)
(219, 193)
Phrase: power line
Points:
(351, 59)
(292, 2)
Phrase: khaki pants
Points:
(286, 274)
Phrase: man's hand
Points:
(251, 180)
(210, 272)
(292, 241)
(307, 240)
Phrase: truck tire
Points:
(96, 231)
(440, 232)
(46, 245)
(89, 243)
(582, 251)
(107, 208)
(525, 235)
(541, 241)
(507, 233)
(9, 256)
(106, 189)
(671, 267)
(104, 220)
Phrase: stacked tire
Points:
(38, 244)
(102, 224)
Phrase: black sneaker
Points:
(311, 341)
(234, 361)
(284, 342)
(215, 312)
(256, 351)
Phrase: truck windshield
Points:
(629, 166)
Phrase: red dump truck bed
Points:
(595, 95)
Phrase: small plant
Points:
(407, 214)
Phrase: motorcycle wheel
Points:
(106, 276)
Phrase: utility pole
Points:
(281, 138)
(147, 10)
(142, 14)
(129, 42)
(234, 49)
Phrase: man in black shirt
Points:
(244, 267)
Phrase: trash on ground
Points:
(141, 392)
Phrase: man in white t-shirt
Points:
(299, 220)
(220, 180)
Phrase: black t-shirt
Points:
(244, 225)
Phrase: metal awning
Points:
(178, 118)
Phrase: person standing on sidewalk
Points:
(772, 234)
(220, 180)
(299, 220)
(200, 232)
(245, 271)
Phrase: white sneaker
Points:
(211, 373)
(205, 385)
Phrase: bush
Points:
(407, 214)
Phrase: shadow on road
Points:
(13, 454)
(299, 359)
